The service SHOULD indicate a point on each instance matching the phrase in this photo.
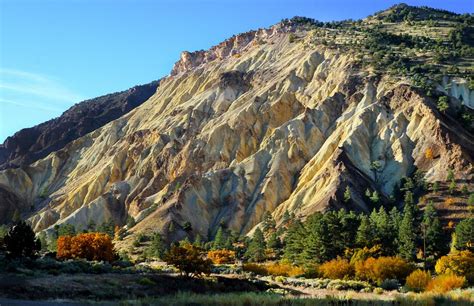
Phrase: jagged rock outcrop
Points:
(259, 123)
(31, 144)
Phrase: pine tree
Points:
(374, 198)
(157, 246)
(268, 222)
(286, 218)
(256, 248)
(294, 242)
(407, 233)
(384, 233)
(452, 186)
(465, 235)
(395, 219)
(20, 241)
(435, 187)
(198, 241)
(171, 227)
(450, 175)
(220, 239)
(347, 195)
(432, 232)
(228, 244)
(274, 242)
(365, 234)
(323, 240)
(349, 224)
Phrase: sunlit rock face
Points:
(255, 124)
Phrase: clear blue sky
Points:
(54, 53)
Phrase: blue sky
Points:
(54, 53)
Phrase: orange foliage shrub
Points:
(449, 201)
(429, 153)
(418, 280)
(336, 269)
(90, 246)
(379, 269)
(458, 263)
(446, 282)
(221, 256)
(275, 269)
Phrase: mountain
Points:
(287, 118)
(31, 144)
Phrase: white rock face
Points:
(256, 124)
(459, 89)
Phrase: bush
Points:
(188, 260)
(458, 263)
(90, 246)
(275, 269)
(336, 269)
(390, 284)
(446, 282)
(379, 269)
(364, 253)
(221, 256)
(418, 280)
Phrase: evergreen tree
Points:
(395, 219)
(184, 242)
(286, 218)
(365, 234)
(384, 233)
(347, 195)
(465, 235)
(349, 223)
(374, 198)
(170, 227)
(452, 186)
(157, 246)
(407, 232)
(65, 230)
(256, 248)
(268, 222)
(107, 228)
(228, 244)
(274, 241)
(91, 226)
(294, 242)
(450, 175)
(198, 241)
(435, 187)
(220, 239)
(20, 241)
(323, 241)
(432, 232)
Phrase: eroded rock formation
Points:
(258, 123)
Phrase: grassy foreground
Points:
(251, 298)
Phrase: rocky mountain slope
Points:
(31, 144)
(284, 118)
